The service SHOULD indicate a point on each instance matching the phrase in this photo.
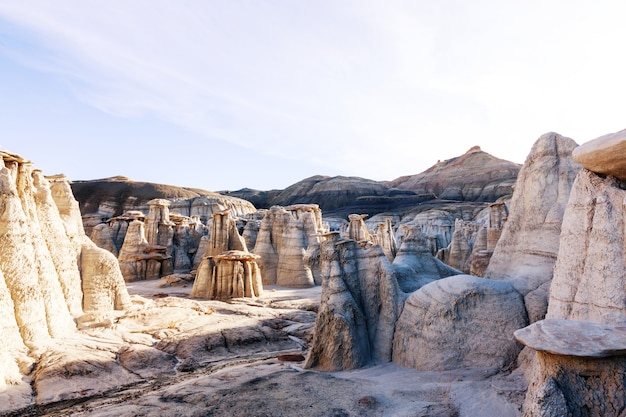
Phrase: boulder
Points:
(527, 249)
(461, 321)
(604, 155)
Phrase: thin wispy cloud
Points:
(369, 88)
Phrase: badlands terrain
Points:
(476, 288)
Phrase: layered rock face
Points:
(414, 265)
(581, 345)
(138, 259)
(360, 304)
(44, 283)
(461, 321)
(114, 196)
(491, 178)
(526, 252)
(227, 269)
(590, 271)
(285, 236)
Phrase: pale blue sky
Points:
(231, 94)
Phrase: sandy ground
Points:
(172, 356)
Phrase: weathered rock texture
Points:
(580, 369)
(229, 275)
(101, 236)
(360, 304)
(491, 178)
(113, 196)
(590, 272)
(414, 265)
(461, 321)
(42, 285)
(526, 252)
(604, 155)
(285, 236)
(138, 259)
(227, 269)
(581, 345)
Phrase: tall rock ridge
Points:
(491, 178)
(581, 345)
(527, 249)
(51, 272)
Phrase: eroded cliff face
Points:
(580, 365)
(43, 284)
(286, 242)
(361, 301)
(527, 249)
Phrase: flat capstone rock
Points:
(574, 338)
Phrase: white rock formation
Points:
(461, 321)
(138, 259)
(581, 345)
(233, 274)
(526, 252)
(42, 288)
(285, 235)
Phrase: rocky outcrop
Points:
(360, 304)
(103, 283)
(461, 321)
(285, 236)
(414, 265)
(357, 230)
(384, 236)
(138, 259)
(227, 269)
(581, 345)
(474, 176)
(42, 285)
(526, 252)
(101, 236)
(113, 196)
(590, 272)
(232, 274)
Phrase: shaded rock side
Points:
(360, 304)
(461, 321)
(590, 271)
(415, 266)
(491, 178)
(527, 249)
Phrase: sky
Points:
(227, 94)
